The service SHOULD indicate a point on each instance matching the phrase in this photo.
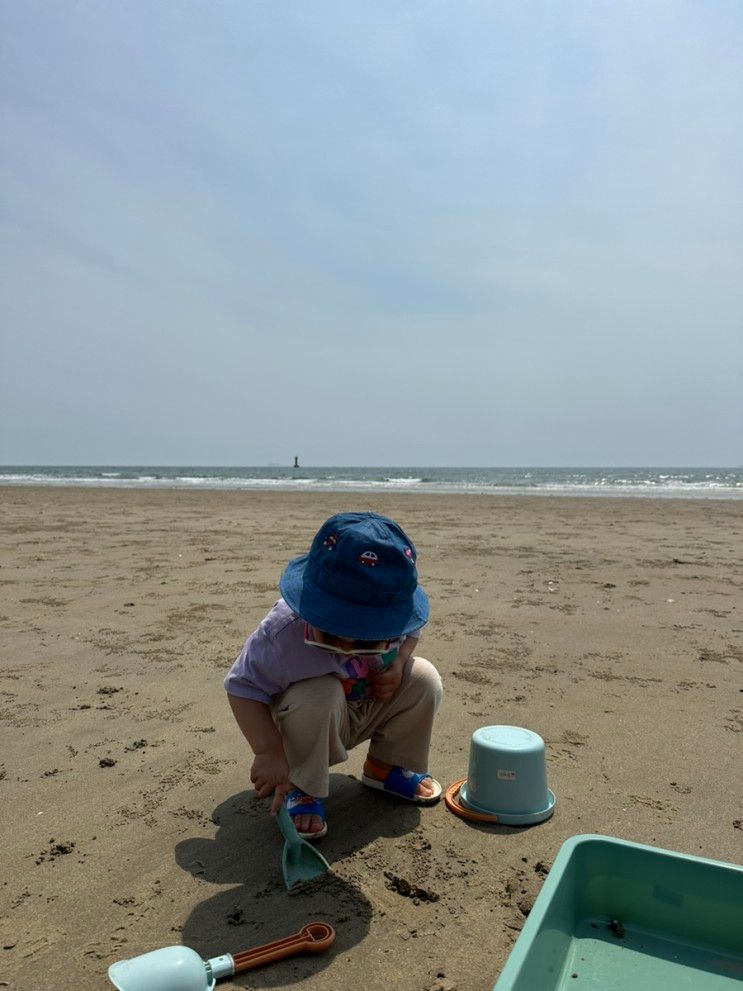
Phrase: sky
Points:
(440, 233)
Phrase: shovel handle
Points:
(312, 938)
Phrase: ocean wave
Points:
(723, 483)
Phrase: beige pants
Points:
(318, 726)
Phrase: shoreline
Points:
(619, 481)
(514, 493)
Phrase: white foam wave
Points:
(666, 486)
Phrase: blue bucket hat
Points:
(358, 580)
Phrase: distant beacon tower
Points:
(296, 461)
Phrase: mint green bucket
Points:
(507, 776)
(619, 916)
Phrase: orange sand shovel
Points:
(178, 968)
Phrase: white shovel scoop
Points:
(178, 968)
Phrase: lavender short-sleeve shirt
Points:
(275, 656)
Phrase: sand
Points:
(608, 626)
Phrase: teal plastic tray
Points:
(619, 916)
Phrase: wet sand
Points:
(611, 627)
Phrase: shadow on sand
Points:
(246, 852)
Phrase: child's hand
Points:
(270, 773)
(384, 684)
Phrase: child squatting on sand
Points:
(332, 665)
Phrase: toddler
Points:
(332, 665)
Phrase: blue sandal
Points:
(300, 804)
(404, 784)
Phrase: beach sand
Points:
(129, 823)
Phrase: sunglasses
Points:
(309, 639)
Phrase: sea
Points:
(661, 483)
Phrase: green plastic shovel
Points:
(300, 861)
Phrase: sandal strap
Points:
(404, 783)
(297, 805)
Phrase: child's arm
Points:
(385, 683)
(270, 770)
